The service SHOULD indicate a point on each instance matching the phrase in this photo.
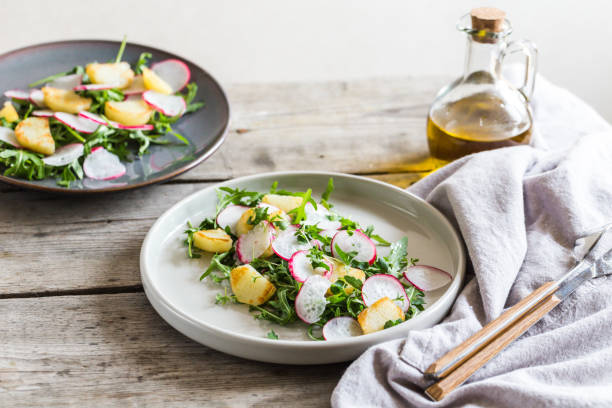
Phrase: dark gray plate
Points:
(205, 128)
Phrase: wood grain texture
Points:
(53, 243)
(438, 367)
(113, 350)
(443, 387)
(361, 127)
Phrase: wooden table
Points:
(75, 326)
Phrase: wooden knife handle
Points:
(440, 389)
(444, 365)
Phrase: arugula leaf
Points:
(192, 90)
(310, 333)
(271, 335)
(221, 299)
(22, 163)
(299, 213)
(391, 323)
(207, 223)
(417, 301)
(279, 222)
(316, 257)
(70, 173)
(397, 256)
(190, 231)
(216, 264)
(354, 282)
(121, 49)
(369, 231)
(228, 195)
(259, 214)
(142, 62)
(327, 193)
(76, 70)
(345, 257)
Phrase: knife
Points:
(456, 366)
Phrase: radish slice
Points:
(310, 301)
(254, 243)
(65, 155)
(77, 123)
(144, 127)
(136, 88)
(98, 119)
(103, 165)
(301, 267)
(37, 98)
(174, 72)
(341, 327)
(101, 121)
(379, 286)
(426, 278)
(229, 216)
(43, 113)
(286, 243)
(7, 135)
(94, 87)
(169, 105)
(320, 217)
(17, 94)
(358, 241)
(68, 82)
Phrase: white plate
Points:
(171, 280)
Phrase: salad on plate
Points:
(88, 121)
(291, 258)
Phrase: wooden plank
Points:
(114, 350)
(367, 126)
(53, 243)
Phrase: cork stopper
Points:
(487, 19)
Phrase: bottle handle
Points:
(530, 51)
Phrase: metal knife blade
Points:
(597, 262)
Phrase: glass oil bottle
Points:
(481, 110)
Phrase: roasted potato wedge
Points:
(62, 100)
(341, 270)
(153, 82)
(34, 134)
(243, 226)
(8, 112)
(285, 203)
(131, 112)
(216, 240)
(118, 74)
(250, 286)
(374, 317)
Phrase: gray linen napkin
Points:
(519, 211)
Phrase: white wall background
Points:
(308, 40)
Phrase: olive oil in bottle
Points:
(473, 124)
(481, 110)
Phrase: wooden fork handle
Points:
(440, 389)
(454, 358)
